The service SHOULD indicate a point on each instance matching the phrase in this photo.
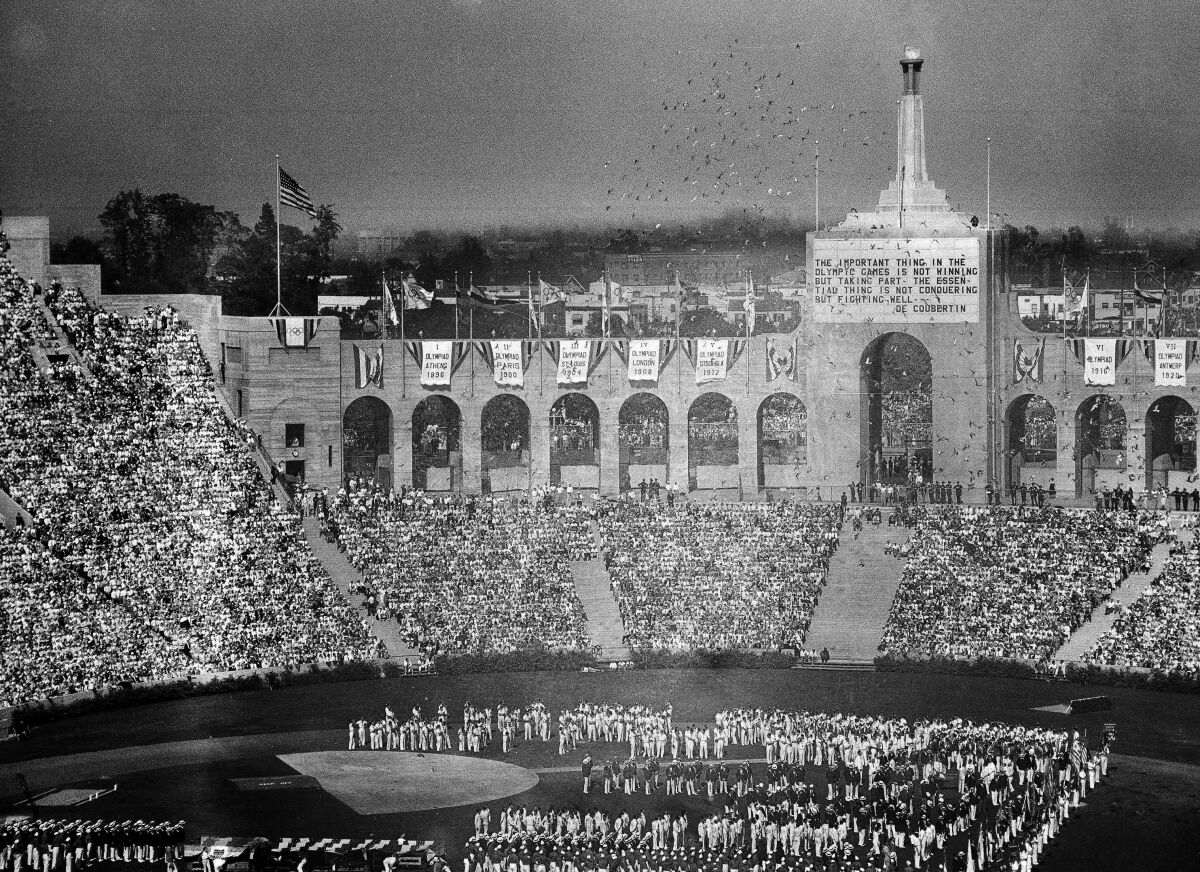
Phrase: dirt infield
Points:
(395, 782)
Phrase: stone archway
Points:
(1031, 432)
(644, 438)
(504, 432)
(896, 378)
(782, 440)
(436, 448)
(712, 443)
(1101, 431)
(1170, 441)
(367, 441)
(575, 442)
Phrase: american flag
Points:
(292, 194)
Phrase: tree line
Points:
(166, 243)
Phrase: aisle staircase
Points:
(11, 511)
(61, 346)
(593, 585)
(345, 578)
(855, 603)
(1099, 623)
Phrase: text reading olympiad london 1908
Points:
(896, 281)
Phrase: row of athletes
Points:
(53, 844)
(474, 733)
(784, 827)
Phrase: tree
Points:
(247, 270)
(469, 259)
(128, 222)
(159, 244)
(78, 249)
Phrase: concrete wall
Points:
(1062, 386)
(29, 238)
(85, 276)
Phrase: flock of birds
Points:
(734, 131)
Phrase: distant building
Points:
(695, 266)
(374, 245)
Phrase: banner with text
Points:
(1170, 364)
(712, 357)
(573, 357)
(895, 281)
(1099, 361)
(643, 360)
(435, 362)
(508, 366)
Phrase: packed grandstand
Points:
(157, 549)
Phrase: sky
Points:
(485, 113)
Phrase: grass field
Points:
(1146, 817)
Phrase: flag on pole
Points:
(415, 296)
(749, 305)
(292, 194)
(389, 304)
(606, 304)
(551, 293)
(1074, 299)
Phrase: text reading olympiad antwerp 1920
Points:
(896, 280)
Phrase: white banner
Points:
(895, 281)
(1170, 365)
(573, 358)
(643, 360)
(1099, 361)
(435, 362)
(508, 367)
(712, 356)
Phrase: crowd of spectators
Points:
(156, 550)
(717, 575)
(1015, 583)
(1161, 628)
(468, 574)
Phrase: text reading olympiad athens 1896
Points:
(905, 281)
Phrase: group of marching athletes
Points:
(478, 728)
(839, 792)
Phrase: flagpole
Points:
(749, 326)
(470, 337)
(403, 347)
(278, 248)
(539, 337)
(817, 188)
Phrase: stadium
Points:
(753, 602)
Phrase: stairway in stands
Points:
(60, 346)
(855, 603)
(593, 585)
(1087, 635)
(345, 578)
